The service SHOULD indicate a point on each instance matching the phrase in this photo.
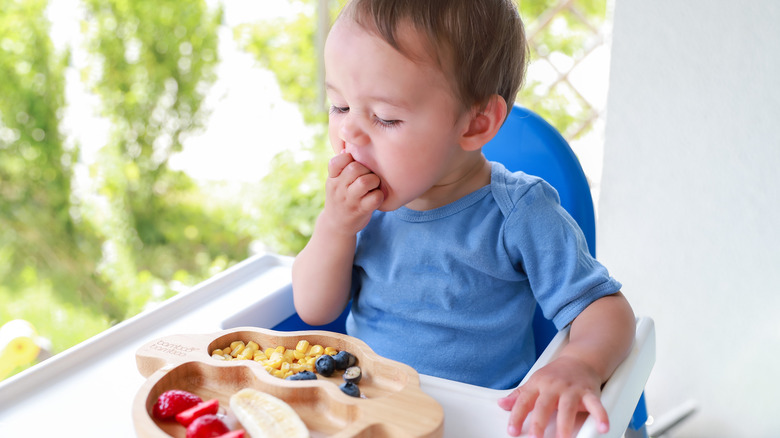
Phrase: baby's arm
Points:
(322, 271)
(600, 338)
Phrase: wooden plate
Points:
(393, 404)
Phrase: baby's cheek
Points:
(336, 143)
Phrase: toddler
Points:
(443, 253)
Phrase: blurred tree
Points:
(292, 194)
(154, 63)
(561, 34)
(48, 255)
(38, 234)
(75, 262)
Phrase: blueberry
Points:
(344, 360)
(325, 365)
(350, 389)
(353, 374)
(303, 375)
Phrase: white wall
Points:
(689, 215)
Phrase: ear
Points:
(483, 123)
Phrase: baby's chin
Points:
(390, 203)
(386, 207)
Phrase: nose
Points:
(351, 131)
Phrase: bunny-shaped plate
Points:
(391, 403)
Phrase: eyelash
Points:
(382, 123)
(377, 121)
(338, 109)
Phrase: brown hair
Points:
(479, 43)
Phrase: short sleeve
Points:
(548, 246)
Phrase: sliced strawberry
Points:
(234, 434)
(206, 407)
(170, 403)
(206, 426)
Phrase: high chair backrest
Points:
(526, 142)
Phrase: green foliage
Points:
(154, 62)
(38, 234)
(291, 197)
(32, 93)
(292, 194)
(48, 255)
(287, 48)
(73, 263)
(564, 30)
(63, 322)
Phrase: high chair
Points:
(527, 142)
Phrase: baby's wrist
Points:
(333, 227)
(591, 366)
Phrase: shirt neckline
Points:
(409, 215)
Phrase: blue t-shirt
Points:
(452, 291)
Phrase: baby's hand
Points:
(352, 194)
(565, 384)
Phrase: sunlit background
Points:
(147, 145)
(249, 121)
(138, 160)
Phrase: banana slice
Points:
(265, 416)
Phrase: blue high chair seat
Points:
(527, 143)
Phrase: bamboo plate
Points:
(393, 404)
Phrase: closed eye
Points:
(386, 123)
(339, 109)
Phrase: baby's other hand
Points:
(565, 384)
(352, 194)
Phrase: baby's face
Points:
(397, 117)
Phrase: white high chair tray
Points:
(88, 390)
